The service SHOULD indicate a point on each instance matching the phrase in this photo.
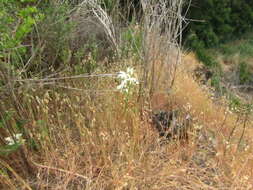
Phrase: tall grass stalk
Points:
(162, 38)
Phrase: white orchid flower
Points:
(130, 71)
(15, 138)
(123, 75)
(127, 80)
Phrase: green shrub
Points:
(34, 37)
(215, 82)
(245, 76)
(51, 39)
(219, 20)
(206, 58)
(87, 58)
(131, 41)
(17, 19)
(202, 54)
(242, 46)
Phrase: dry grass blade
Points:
(62, 170)
(20, 179)
(162, 38)
(64, 78)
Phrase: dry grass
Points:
(83, 134)
(95, 140)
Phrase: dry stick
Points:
(85, 90)
(188, 8)
(178, 60)
(242, 86)
(104, 20)
(63, 78)
(224, 121)
(175, 69)
(145, 56)
(177, 34)
(232, 132)
(221, 127)
(156, 16)
(244, 128)
(34, 53)
(61, 170)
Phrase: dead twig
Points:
(64, 78)
(62, 170)
(244, 128)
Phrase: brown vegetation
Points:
(80, 132)
(96, 141)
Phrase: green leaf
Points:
(28, 11)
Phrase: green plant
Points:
(218, 21)
(17, 19)
(245, 76)
(131, 41)
(87, 58)
(215, 82)
(206, 58)
(53, 36)
(242, 46)
(237, 105)
(202, 53)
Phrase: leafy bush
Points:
(17, 19)
(86, 58)
(51, 38)
(206, 58)
(34, 37)
(219, 20)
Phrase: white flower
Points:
(130, 71)
(127, 80)
(11, 141)
(123, 75)
(122, 85)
